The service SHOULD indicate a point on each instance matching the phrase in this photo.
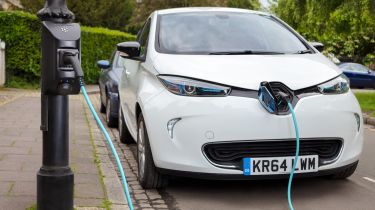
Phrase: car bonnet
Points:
(248, 71)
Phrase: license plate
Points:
(279, 165)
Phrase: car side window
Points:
(143, 37)
(361, 69)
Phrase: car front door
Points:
(129, 80)
(364, 76)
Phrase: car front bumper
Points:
(232, 119)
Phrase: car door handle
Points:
(127, 72)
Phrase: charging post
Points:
(59, 78)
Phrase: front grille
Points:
(230, 154)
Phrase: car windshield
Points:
(354, 67)
(225, 32)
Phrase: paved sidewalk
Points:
(97, 181)
(142, 199)
(21, 149)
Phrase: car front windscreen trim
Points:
(158, 44)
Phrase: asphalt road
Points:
(357, 192)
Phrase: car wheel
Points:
(111, 121)
(124, 134)
(148, 176)
(102, 107)
(345, 173)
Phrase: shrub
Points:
(97, 44)
(21, 33)
(347, 28)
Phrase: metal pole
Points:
(55, 179)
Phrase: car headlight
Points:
(189, 87)
(339, 85)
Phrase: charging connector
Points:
(274, 97)
(72, 58)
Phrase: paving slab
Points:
(142, 199)
(97, 182)
(21, 152)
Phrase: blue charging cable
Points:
(110, 143)
(296, 157)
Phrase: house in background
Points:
(10, 4)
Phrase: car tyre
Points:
(111, 121)
(124, 133)
(345, 173)
(148, 175)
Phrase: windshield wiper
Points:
(246, 52)
(308, 51)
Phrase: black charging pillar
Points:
(55, 179)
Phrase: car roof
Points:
(206, 9)
(350, 63)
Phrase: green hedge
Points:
(21, 33)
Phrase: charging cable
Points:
(286, 98)
(270, 101)
(71, 57)
(110, 143)
(296, 156)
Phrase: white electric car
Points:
(189, 98)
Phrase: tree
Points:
(347, 28)
(113, 14)
(246, 4)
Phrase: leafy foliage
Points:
(98, 44)
(366, 101)
(247, 4)
(21, 32)
(347, 28)
(127, 14)
(105, 13)
(22, 45)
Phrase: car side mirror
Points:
(103, 64)
(317, 45)
(129, 49)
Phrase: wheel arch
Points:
(107, 89)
